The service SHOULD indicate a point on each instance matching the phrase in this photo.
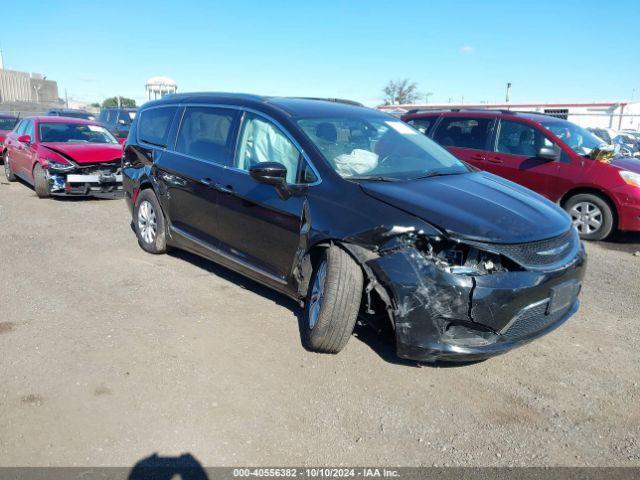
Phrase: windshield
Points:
(7, 123)
(74, 133)
(378, 148)
(579, 139)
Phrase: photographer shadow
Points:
(155, 467)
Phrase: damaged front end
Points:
(452, 299)
(99, 179)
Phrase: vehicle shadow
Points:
(155, 467)
(381, 343)
(622, 242)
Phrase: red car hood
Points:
(82, 153)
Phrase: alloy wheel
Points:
(587, 217)
(147, 224)
(317, 295)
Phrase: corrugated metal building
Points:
(25, 87)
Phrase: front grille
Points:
(533, 320)
(100, 168)
(541, 254)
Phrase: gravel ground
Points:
(109, 354)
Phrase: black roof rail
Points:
(335, 100)
(477, 109)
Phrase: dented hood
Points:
(476, 206)
(86, 152)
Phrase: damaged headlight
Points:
(58, 166)
(461, 259)
(631, 178)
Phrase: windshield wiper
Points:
(434, 173)
(374, 178)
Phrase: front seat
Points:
(327, 132)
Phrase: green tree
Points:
(124, 102)
(400, 92)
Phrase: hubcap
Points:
(587, 217)
(7, 168)
(147, 225)
(317, 295)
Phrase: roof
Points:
(291, 106)
(485, 112)
(516, 106)
(62, 120)
(163, 81)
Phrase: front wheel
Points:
(592, 216)
(11, 177)
(41, 181)
(333, 301)
(148, 221)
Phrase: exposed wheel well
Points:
(597, 193)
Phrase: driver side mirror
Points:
(25, 139)
(549, 153)
(272, 173)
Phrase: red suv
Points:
(556, 158)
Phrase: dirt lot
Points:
(109, 354)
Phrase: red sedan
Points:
(64, 156)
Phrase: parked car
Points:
(348, 210)
(70, 113)
(118, 121)
(7, 122)
(64, 156)
(551, 156)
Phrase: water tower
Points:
(158, 87)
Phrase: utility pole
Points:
(66, 99)
(426, 97)
(508, 92)
(118, 101)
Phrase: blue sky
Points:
(549, 50)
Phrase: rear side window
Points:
(464, 132)
(206, 133)
(422, 124)
(154, 125)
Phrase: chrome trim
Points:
(223, 254)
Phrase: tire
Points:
(41, 182)
(11, 177)
(149, 223)
(592, 216)
(333, 301)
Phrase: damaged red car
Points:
(355, 215)
(64, 156)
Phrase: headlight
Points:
(58, 166)
(631, 178)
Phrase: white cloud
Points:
(467, 50)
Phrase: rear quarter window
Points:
(154, 125)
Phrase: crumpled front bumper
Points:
(454, 317)
(94, 184)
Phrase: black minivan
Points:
(356, 215)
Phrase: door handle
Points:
(223, 188)
(495, 160)
(477, 156)
(207, 182)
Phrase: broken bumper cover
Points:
(440, 315)
(108, 185)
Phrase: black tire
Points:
(146, 212)
(11, 177)
(602, 212)
(41, 182)
(337, 312)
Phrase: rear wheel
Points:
(333, 301)
(149, 223)
(41, 181)
(7, 168)
(592, 216)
